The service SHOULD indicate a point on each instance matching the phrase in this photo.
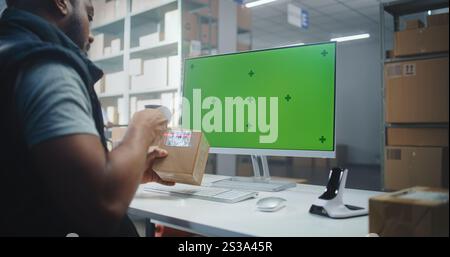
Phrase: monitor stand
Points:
(260, 182)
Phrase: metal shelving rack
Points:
(397, 9)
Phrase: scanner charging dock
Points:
(331, 204)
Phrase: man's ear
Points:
(63, 6)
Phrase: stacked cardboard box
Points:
(244, 18)
(115, 82)
(209, 35)
(418, 40)
(417, 93)
(108, 10)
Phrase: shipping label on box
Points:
(417, 91)
(188, 155)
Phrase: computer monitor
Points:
(273, 102)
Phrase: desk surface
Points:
(242, 219)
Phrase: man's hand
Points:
(152, 123)
(150, 175)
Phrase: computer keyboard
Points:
(204, 193)
(253, 184)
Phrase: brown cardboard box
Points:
(244, 17)
(417, 136)
(414, 24)
(241, 47)
(418, 211)
(417, 91)
(190, 26)
(186, 162)
(415, 166)
(205, 36)
(437, 20)
(421, 41)
(212, 10)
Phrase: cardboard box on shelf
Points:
(244, 17)
(417, 211)
(116, 46)
(150, 39)
(417, 91)
(115, 82)
(139, 83)
(172, 21)
(188, 154)
(190, 26)
(414, 24)
(107, 51)
(415, 166)
(209, 34)
(437, 20)
(155, 72)
(241, 47)
(136, 67)
(212, 10)
(417, 137)
(432, 39)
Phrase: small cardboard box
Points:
(417, 211)
(417, 136)
(414, 24)
(190, 26)
(415, 166)
(244, 17)
(209, 34)
(417, 91)
(432, 39)
(437, 20)
(188, 155)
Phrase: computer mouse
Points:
(270, 204)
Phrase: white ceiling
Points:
(327, 19)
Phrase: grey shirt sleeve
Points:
(52, 102)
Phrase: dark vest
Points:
(25, 205)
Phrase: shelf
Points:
(243, 30)
(114, 27)
(161, 49)
(417, 57)
(404, 7)
(153, 14)
(110, 63)
(153, 91)
(194, 7)
(110, 95)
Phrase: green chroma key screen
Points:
(280, 99)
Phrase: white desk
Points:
(242, 219)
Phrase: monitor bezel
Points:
(274, 152)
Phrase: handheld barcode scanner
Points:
(330, 203)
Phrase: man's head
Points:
(71, 16)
